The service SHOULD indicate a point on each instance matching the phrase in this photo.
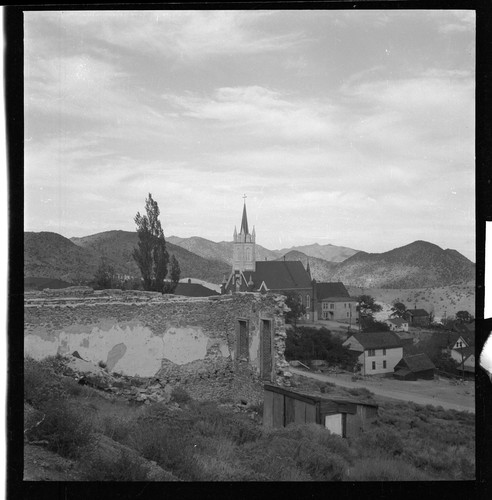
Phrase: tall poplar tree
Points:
(151, 255)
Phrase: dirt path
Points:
(423, 392)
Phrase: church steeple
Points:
(244, 222)
(244, 258)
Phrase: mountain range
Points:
(419, 264)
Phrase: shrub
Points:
(171, 450)
(180, 396)
(379, 441)
(40, 383)
(297, 452)
(125, 468)
(384, 469)
(67, 430)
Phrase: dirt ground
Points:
(439, 392)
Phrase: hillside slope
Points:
(330, 253)
(50, 255)
(419, 264)
(221, 251)
(117, 247)
(321, 270)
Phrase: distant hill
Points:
(419, 264)
(321, 270)
(50, 255)
(75, 260)
(117, 247)
(330, 253)
(220, 251)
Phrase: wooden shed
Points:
(345, 417)
(414, 367)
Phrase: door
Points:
(266, 350)
(334, 423)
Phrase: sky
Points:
(351, 128)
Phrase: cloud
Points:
(185, 35)
(260, 111)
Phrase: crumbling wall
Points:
(175, 339)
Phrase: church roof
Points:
(279, 275)
(244, 222)
(194, 290)
(378, 340)
(325, 290)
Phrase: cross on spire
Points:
(244, 198)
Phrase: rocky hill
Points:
(220, 251)
(330, 253)
(419, 264)
(50, 255)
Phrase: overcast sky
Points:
(341, 127)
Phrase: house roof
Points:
(396, 321)
(327, 290)
(194, 290)
(466, 351)
(417, 362)
(315, 397)
(417, 312)
(279, 275)
(378, 340)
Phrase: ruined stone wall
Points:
(178, 340)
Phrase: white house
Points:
(397, 324)
(379, 351)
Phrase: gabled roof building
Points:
(379, 351)
(248, 275)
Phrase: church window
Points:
(248, 253)
(300, 299)
(308, 301)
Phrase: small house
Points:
(417, 317)
(414, 367)
(379, 351)
(397, 324)
(344, 417)
(333, 302)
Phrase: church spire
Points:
(244, 222)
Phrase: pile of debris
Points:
(139, 389)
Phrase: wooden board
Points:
(278, 410)
(268, 409)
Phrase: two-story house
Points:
(379, 351)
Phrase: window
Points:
(345, 306)
(371, 352)
(374, 365)
(308, 301)
(384, 363)
(332, 306)
(347, 315)
(384, 352)
(300, 299)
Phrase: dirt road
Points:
(423, 392)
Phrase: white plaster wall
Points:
(142, 353)
(392, 357)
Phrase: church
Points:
(250, 275)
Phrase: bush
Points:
(379, 441)
(125, 468)
(40, 383)
(384, 469)
(67, 430)
(297, 452)
(171, 450)
(180, 396)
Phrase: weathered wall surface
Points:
(151, 335)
